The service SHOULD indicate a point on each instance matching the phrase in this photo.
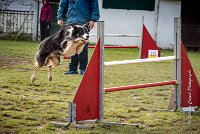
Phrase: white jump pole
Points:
(139, 60)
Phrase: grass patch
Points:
(25, 108)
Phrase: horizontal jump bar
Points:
(139, 60)
(116, 46)
(118, 35)
(112, 89)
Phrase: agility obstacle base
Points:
(88, 103)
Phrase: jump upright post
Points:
(186, 94)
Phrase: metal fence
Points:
(11, 21)
(54, 25)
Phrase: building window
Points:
(129, 4)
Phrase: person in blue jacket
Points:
(78, 12)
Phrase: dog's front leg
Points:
(34, 73)
(49, 73)
(79, 49)
(70, 50)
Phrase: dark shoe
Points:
(71, 72)
(82, 72)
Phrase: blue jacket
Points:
(78, 11)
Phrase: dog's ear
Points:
(87, 25)
(75, 27)
(77, 31)
(67, 31)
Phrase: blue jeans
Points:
(81, 59)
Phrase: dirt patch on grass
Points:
(6, 61)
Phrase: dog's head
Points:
(74, 31)
(81, 31)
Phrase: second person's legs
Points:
(83, 59)
(73, 65)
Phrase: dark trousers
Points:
(81, 59)
(44, 29)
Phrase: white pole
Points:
(139, 60)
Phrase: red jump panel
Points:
(147, 44)
(190, 89)
(87, 95)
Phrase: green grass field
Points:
(26, 108)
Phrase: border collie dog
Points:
(66, 42)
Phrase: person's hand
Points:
(91, 24)
(60, 23)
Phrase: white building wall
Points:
(18, 5)
(168, 10)
(118, 21)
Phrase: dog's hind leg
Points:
(53, 62)
(34, 72)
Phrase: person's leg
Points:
(46, 33)
(73, 65)
(83, 59)
(42, 30)
(48, 29)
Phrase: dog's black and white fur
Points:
(53, 47)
